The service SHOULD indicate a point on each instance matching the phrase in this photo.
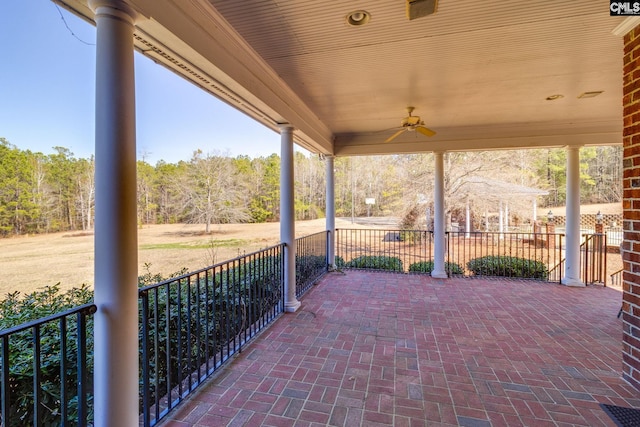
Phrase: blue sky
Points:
(47, 86)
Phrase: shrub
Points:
(339, 261)
(376, 262)
(508, 266)
(309, 268)
(427, 267)
(228, 302)
(413, 236)
(231, 300)
(15, 310)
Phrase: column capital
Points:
(285, 127)
(116, 8)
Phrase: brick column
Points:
(599, 228)
(551, 238)
(631, 209)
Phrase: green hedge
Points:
(231, 300)
(17, 309)
(427, 267)
(309, 267)
(508, 266)
(376, 262)
(412, 236)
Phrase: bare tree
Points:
(213, 191)
(86, 189)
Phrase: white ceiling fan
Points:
(412, 123)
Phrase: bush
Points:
(373, 262)
(15, 310)
(508, 266)
(413, 236)
(427, 267)
(227, 302)
(230, 300)
(309, 268)
(339, 261)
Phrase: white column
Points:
(506, 216)
(330, 207)
(572, 263)
(438, 218)
(116, 242)
(500, 220)
(287, 217)
(468, 220)
(535, 210)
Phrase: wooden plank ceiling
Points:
(478, 73)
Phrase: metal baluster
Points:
(6, 390)
(64, 412)
(145, 357)
(82, 367)
(156, 351)
(37, 417)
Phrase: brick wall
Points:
(631, 208)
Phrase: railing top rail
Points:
(505, 232)
(202, 270)
(319, 233)
(89, 308)
(386, 230)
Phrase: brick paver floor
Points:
(382, 349)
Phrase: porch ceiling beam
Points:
(353, 145)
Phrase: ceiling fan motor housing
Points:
(411, 121)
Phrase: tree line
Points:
(55, 192)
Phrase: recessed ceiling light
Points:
(358, 18)
(590, 94)
(554, 97)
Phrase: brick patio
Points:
(381, 349)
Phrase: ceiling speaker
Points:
(420, 8)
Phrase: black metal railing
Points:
(190, 325)
(47, 370)
(593, 263)
(516, 255)
(394, 250)
(616, 278)
(615, 235)
(311, 260)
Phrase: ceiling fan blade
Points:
(425, 131)
(395, 135)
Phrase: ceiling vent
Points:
(419, 8)
(590, 94)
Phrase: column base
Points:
(292, 306)
(439, 274)
(570, 281)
